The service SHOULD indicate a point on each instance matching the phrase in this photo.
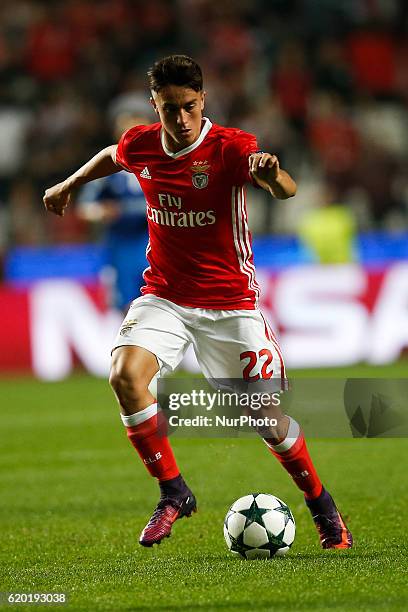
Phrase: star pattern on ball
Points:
(285, 511)
(253, 513)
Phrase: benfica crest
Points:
(200, 180)
(127, 326)
(200, 176)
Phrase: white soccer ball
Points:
(259, 526)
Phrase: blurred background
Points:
(322, 83)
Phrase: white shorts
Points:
(228, 344)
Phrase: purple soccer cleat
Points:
(333, 531)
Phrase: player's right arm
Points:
(57, 198)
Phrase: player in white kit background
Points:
(200, 286)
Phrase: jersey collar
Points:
(204, 131)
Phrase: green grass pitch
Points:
(74, 498)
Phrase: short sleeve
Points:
(125, 146)
(236, 152)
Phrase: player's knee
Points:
(127, 383)
(131, 372)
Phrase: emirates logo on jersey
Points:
(170, 213)
(180, 218)
(200, 175)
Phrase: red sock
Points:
(146, 431)
(292, 453)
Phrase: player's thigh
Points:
(151, 324)
(239, 345)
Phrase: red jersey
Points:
(199, 249)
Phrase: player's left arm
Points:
(267, 173)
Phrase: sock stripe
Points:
(131, 420)
(289, 441)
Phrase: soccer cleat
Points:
(167, 511)
(330, 525)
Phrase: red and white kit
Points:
(201, 290)
(199, 249)
(200, 284)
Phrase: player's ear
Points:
(203, 94)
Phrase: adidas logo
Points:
(145, 173)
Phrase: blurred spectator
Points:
(233, 44)
(373, 54)
(117, 202)
(332, 72)
(329, 230)
(292, 83)
(323, 84)
(335, 140)
(24, 225)
(378, 173)
(14, 126)
(268, 122)
(51, 45)
(383, 125)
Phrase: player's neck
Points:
(174, 146)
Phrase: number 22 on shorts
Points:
(263, 356)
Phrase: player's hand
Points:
(264, 168)
(57, 198)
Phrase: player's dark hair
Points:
(175, 70)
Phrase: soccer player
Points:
(200, 287)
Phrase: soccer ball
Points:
(259, 526)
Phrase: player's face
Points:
(180, 110)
